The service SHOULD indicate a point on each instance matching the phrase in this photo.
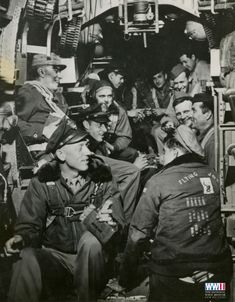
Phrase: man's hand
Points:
(13, 245)
(141, 162)
(109, 147)
(158, 111)
(104, 214)
(136, 113)
(86, 212)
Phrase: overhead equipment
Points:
(139, 18)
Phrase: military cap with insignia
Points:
(177, 70)
(64, 135)
(94, 113)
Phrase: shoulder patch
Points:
(207, 185)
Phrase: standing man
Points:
(180, 211)
(203, 122)
(38, 105)
(199, 70)
(53, 223)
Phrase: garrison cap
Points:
(187, 138)
(176, 71)
(112, 67)
(43, 60)
(180, 97)
(94, 113)
(64, 135)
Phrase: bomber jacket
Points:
(120, 132)
(180, 211)
(41, 220)
(33, 111)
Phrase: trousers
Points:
(127, 177)
(43, 269)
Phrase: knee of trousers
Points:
(28, 256)
(89, 243)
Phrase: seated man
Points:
(179, 77)
(53, 223)
(38, 105)
(180, 211)
(203, 122)
(119, 134)
(114, 75)
(199, 70)
(183, 109)
(161, 92)
(127, 176)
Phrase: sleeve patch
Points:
(207, 185)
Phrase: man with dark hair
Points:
(38, 105)
(161, 92)
(179, 211)
(59, 228)
(199, 70)
(179, 77)
(203, 122)
(114, 74)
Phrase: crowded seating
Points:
(99, 181)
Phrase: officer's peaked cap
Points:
(65, 134)
(94, 113)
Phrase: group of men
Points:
(77, 209)
(187, 103)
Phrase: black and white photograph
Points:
(117, 150)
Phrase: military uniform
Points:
(33, 111)
(120, 136)
(59, 244)
(49, 224)
(180, 210)
(199, 76)
(126, 174)
(207, 141)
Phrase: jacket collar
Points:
(186, 158)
